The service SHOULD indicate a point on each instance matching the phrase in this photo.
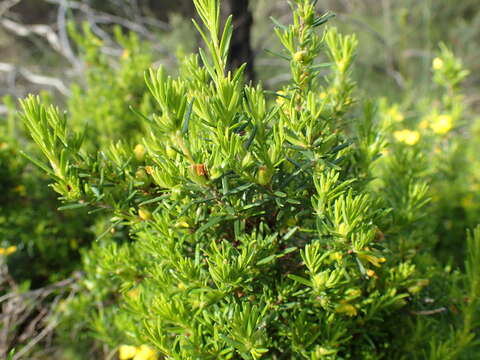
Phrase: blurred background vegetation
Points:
(399, 38)
(89, 56)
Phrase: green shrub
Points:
(260, 228)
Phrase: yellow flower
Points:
(126, 352)
(395, 114)
(437, 63)
(409, 137)
(442, 124)
(346, 309)
(145, 352)
(125, 54)
(8, 251)
(370, 273)
(424, 124)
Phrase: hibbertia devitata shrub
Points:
(259, 227)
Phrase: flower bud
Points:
(144, 214)
(300, 56)
(139, 152)
(215, 173)
(182, 224)
(200, 169)
(264, 175)
(292, 221)
(141, 175)
(198, 173)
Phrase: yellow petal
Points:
(437, 63)
(442, 124)
(406, 136)
(145, 352)
(8, 251)
(126, 352)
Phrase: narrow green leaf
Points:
(73, 206)
(140, 115)
(281, 56)
(278, 24)
(266, 260)
(187, 117)
(300, 280)
(37, 162)
(251, 137)
(323, 19)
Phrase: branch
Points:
(45, 291)
(36, 78)
(35, 340)
(41, 30)
(429, 312)
(7, 5)
(63, 35)
(105, 18)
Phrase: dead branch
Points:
(44, 31)
(37, 79)
(429, 312)
(63, 35)
(7, 5)
(30, 317)
(100, 17)
(46, 330)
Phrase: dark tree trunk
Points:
(241, 47)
